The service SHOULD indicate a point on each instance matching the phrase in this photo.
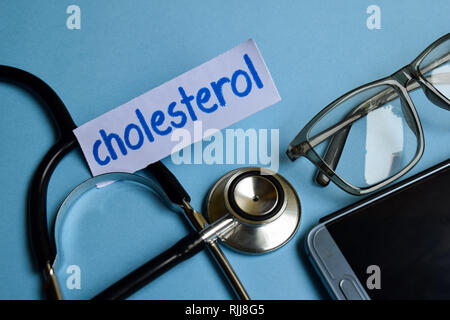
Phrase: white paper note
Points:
(219, 93)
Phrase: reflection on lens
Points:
(435, 67)
(384, 144)
(379, 143)
(440, 79)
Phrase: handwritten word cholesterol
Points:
(162, 123)
(219, 92)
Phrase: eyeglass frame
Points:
(403, 81)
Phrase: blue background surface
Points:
(315, 51)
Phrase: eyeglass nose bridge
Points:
(405, 75)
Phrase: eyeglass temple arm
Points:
(336, 145)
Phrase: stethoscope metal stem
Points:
(179, 252)
(199, 223)
(215, 230)
(228, 270)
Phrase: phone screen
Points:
(407, 235)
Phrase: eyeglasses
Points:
(372, 135)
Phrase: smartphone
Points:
(392, 245)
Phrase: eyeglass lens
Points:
(435, 68)
(379, 142)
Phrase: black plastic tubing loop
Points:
(64, 125)
(137, 279)
(169, 183)
(61, 117)
(37, 194)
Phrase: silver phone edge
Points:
(333, 281)
(331, 284)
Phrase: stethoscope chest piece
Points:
(264, 204)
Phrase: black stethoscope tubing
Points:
(41, 242)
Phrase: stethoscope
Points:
(252, 210)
